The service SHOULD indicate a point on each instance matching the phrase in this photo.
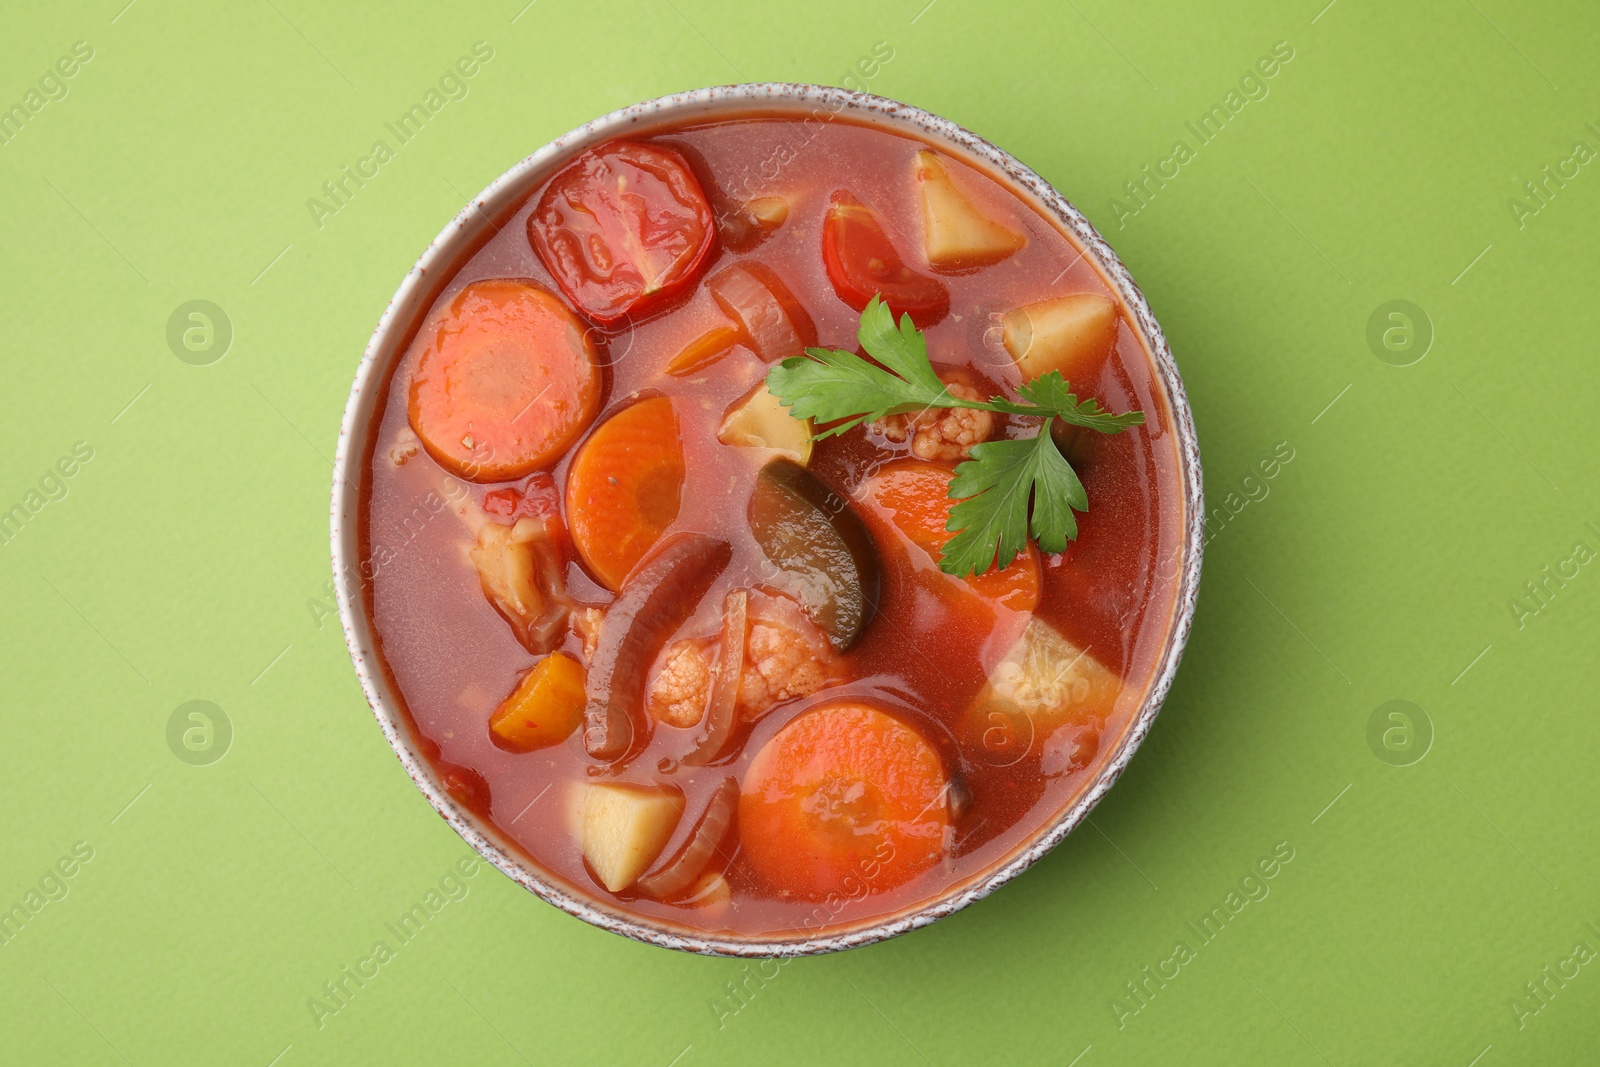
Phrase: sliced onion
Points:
(656, 600)
(723, 713)
(684, 866)
(774, 324)
(545, 631)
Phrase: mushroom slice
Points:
(654, 602)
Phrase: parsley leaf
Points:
(1052, 391)
(1009, 490)
(903, 350)
(994, 488)
(830, 385)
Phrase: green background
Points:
(188, 558)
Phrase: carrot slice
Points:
(911, 500)
(844, 800)
(506, 381)
(703, 351)
(544, 709)
(624, 488)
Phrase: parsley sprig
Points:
(1010, 490)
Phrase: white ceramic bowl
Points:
(497, 203)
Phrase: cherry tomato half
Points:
(622, 228)
(861, 261)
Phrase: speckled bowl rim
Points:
(498, 201)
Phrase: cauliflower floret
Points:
(681, 688)
(941, 433)
(1052, 680)
(786, 656)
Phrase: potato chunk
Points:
(625, 827)
(1068, 334)
(520, 571)
(505, 567)
(760, 421)
(1043, 683)
(711, 893)
(956, 235)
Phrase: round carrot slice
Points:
(844, 800)
(624, 487)
(507, 380)
(912, 500)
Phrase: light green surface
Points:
(188, 557)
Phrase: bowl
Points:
(499, 202)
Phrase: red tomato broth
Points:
(453, 658)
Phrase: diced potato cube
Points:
(520, 569)
(956, 235)
(1069, 334)
(760, 421)
(625, 827)
(507, 572)
(545, 708)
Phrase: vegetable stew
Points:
(767, 556)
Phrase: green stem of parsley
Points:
(1002, 406)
